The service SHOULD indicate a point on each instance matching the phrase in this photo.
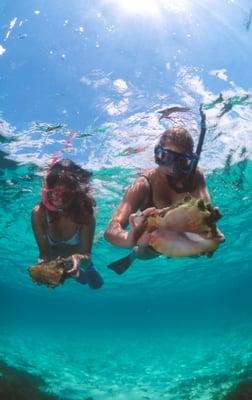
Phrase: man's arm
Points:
(134, 198)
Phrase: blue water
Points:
(172, 329)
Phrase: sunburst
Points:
(152, 8)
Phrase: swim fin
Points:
(120, 266)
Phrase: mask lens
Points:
(184, 164)
(168, 158)
(63, 194)
(179, 162)
(164, 156)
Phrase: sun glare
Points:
(152, 8)
(140, 6)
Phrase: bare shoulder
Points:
(201, 190)
(145, 178)
(37, 213)
(136, 196)
(200, 180)
(139, 186)
(148, 173)
(91, 222)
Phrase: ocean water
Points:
(86, 81)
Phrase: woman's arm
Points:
(201, 190)
(134, 199)
(87, 237)
(86, 273)
(82, 252)
(38, 226)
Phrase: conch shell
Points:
(51, 273)
(185, 229)
(190, 215)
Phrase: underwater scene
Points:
(92, 81)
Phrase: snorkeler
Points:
(176, 174)
(64, 222)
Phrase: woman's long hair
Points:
(67, 173)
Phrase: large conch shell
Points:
(190, 215)
(184, 229)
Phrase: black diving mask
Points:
(179, 162)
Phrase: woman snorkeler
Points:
(64, 222)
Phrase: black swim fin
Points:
(120, 266)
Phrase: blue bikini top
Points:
(73, 241)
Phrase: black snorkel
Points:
(202, 131)
(187, 180)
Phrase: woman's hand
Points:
(41, 260)
(79, 260)
(219, 236)
(138, 223)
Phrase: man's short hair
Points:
(178, 136)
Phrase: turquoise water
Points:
(172, 329)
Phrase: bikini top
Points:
(73, 241)
(150, 201)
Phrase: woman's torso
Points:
(62, 234)
(160, 193)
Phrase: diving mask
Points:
(179, 162)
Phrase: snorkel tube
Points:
(187, 180)
(202, 132)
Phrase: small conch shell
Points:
(51, 273)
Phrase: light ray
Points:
(152, 8)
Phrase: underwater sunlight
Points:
(98, 82)
(153, 8)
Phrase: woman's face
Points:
(60, 196)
